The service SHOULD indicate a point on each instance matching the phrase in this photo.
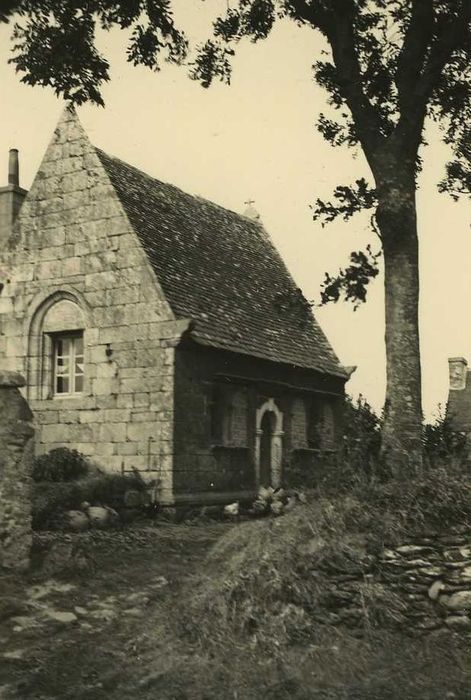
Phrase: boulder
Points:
(231, 510)
(460, 623)
(435, 589)
(465, 574)
(459, 601)
(65, 618)
(276, 508)
(76, 520)
(98, 516)
(11, 607)
(102, 516)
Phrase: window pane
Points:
(62, 385)
(79, 383)
(68, 364)
(63, 365)
(78, 368)
(63, 347)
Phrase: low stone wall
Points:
(433, 573)
(16, 458)
(422, 585)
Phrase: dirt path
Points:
(115, 629)
(84, 636)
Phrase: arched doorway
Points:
(267, 426)
(268, 444)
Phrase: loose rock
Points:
(65, 618)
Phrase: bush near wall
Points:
(356, 463)
(63, 480)
(51, 499)
(60, 464)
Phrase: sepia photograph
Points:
(235, 403)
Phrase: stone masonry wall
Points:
(429, 575)
(73, 241)
(16, 458)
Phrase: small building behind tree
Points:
(459, 398)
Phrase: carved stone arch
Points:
(61, 310)
(276, 440)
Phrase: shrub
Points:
(60, 464)
(441, 443)
(355, 461)
(273, 579)
(362, 436)
(50, 499)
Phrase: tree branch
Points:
(455, 36)
(416, 92)
(340, 33)
(414, 49)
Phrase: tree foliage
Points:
(457, 181)
(391, 64)
(352, 281)
(55, 41)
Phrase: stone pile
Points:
(420, 586)
(433, 574)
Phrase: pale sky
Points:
(257, 140)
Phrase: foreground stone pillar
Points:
(16, 460)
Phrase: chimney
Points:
(13, 168)
(458, 369)
(11, 199)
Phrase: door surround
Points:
(276, 441)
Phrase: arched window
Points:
(56, 348)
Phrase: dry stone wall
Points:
(74, 242)
(16, 459)
(429, 578)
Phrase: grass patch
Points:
(271, 581)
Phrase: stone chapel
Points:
(158, 331)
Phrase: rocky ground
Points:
(76, 630)
(105, 618)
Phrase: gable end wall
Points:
(73, 240)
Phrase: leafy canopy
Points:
(390, 65)
(55, 42)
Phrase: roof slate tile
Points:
(221, 270)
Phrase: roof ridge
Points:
(198, 197)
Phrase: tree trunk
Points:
(402, 428)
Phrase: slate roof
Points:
(221, 270)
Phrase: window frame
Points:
(224, 416)
(72, 337)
